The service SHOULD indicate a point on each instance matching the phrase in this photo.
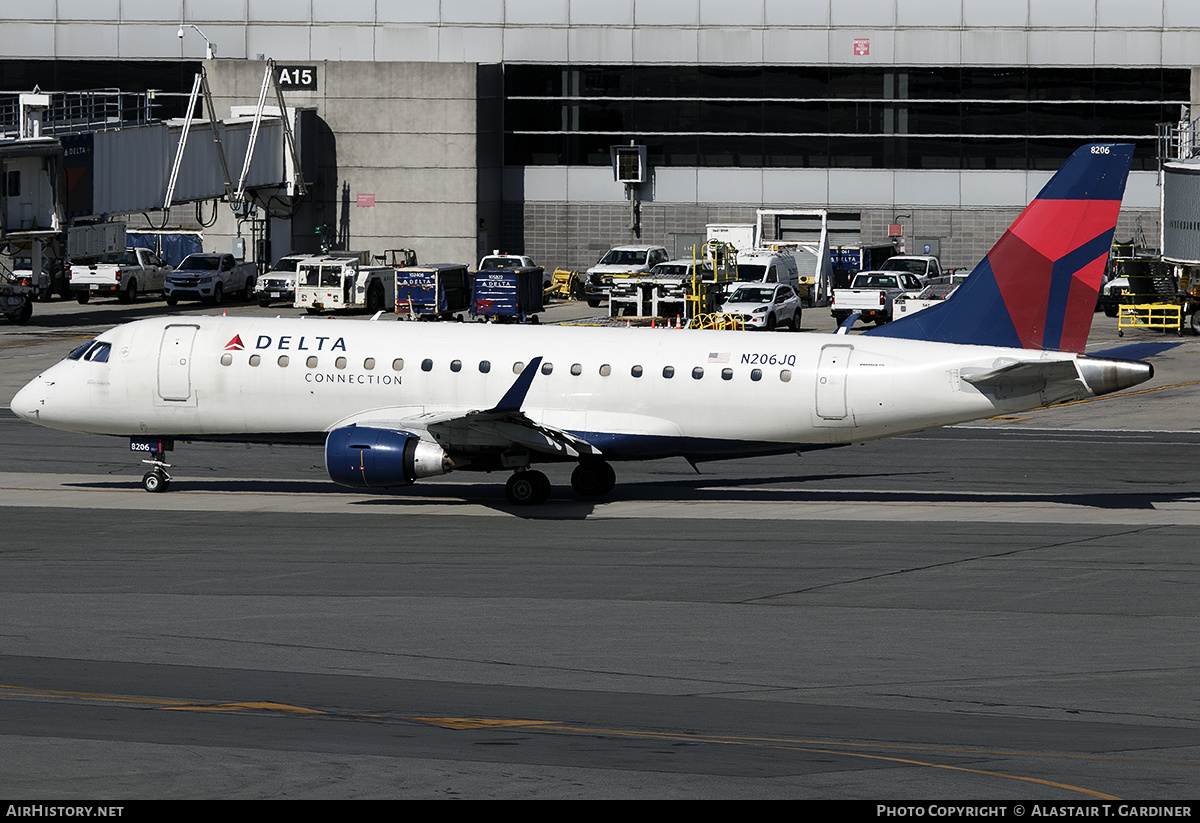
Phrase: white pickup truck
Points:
(210, 277)
(124, 274)
(871, 294)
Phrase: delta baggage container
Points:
(507, 294)
(432, 292)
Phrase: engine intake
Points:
(371, 458)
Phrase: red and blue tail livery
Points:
(1037, 287)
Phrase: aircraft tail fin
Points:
(1037, 287)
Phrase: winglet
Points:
(515, 396)
(1037, 287)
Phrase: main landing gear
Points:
(591, 478)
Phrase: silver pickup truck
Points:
(124, 274)
(210, 277)
(871, 294)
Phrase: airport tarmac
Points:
(998, 611)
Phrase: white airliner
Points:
(395, 402)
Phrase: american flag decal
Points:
(718, 357)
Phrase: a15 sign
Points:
(297, 78)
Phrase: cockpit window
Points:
(92, 351)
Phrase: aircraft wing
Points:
(497, 428)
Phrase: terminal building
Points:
(457, 126)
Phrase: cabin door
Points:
(831, 406)
(175, 363)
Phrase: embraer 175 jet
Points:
(397, 402)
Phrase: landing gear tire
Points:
(155, 482)
(527, 488)
(593, 478)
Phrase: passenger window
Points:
(255, 360)
(697, 372)
(484, 366)
(311, 362)
(605, 370)
(227, 359)
(547, 368)
(369, 363)
(636, 371)
(518, 367)
(456, 365)
(398, 364)
(576, 369)
(756, 375)
(786, 375)
(726, 374)
(283, 360)
(427, 365)
(668, 372)
(340, 363)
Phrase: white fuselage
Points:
(728, 393)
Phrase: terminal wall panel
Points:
(593, 185)
(852, 13)
(729, 185)
(848, 186)
(1067, 14)
(345, 43)
(342, 11)
(930, 188)
(131, 167)
(470, 44)
(86, 39)
(1130, 48)
(205, 13)
(279, 11)
(796, 188)
(1180, 13)
(282, 43)
(1122, 14)
(24, 10)
(986, 188)
(401, 116)
(1141, 191)
(732, 13)
(608, 13)
(537, 12)
(666, 13)
(600, 45)
(989, 13)
(917, 47)
(146, 40)
(544, 183)
(795, 46)
(396, 43)
(88, 9)
(410, 11)
(159, 11)
(544, 45)
(1061, 48)
(729, 45)
(666, 46)
(1180, 47)
(475, 12)
(841, 46)
(995, 46)
(675, 185)
(932, 13)
(26, 39)
(797, 12)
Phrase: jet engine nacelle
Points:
(366, 457)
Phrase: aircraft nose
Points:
(30, 400)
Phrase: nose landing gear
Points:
(156, 480)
